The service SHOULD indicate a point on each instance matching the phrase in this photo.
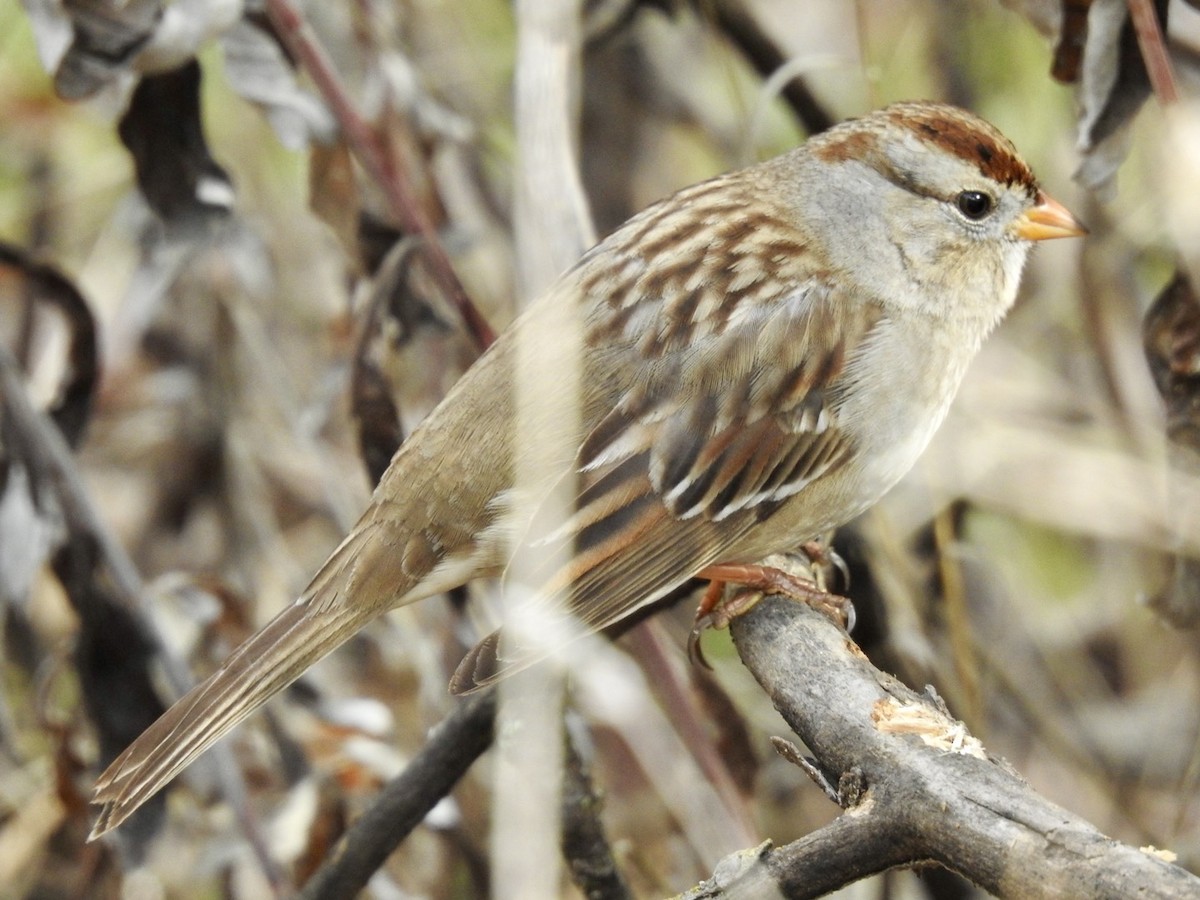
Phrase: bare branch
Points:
(918, 787)
(406, 800)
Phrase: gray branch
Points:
(916, 787)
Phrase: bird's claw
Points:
(718, 615)
(717, 611)
(822, 557)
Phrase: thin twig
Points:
(742, 29)
(1154, 50)
(405, 801)
(585, 845)
(374, 156)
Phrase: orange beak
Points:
(1049, 219)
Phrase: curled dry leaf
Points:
(24, 280)
(257, 67)
(1171, 338)
(29, 520)
(111, 42)
(105, 39)
(1113, 85)
(162, 130)
(334, 198)
(1096, 49)
(411, 350)
(379, 431)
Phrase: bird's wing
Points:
(728, 416)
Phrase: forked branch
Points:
(916, 787)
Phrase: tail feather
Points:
(364, 576)
(480, 668)
(261, 667)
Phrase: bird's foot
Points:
(822, 561)
(717, 610)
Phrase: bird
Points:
(737, 369)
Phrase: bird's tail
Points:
(265, 664)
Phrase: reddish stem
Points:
(372, 154)
(1154, 50)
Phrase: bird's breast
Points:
(901, 385)
(897, 390)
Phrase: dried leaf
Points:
(379, 431)
(258, 69)
(409, 352)
(112, 41)
(1113, 86)
(1072, 38)
(45, 285)
(30, 525)
(162, 130)
(334, 197)
(113, 656)
(1171, 338)
(107, 36)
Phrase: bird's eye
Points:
(974, 205)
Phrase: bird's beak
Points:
(1049, 219)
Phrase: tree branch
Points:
(404, 802)
(760, 50)
(916, 786)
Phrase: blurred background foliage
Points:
(224, 452)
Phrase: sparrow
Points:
(736, 370)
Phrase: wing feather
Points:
(695, 455)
